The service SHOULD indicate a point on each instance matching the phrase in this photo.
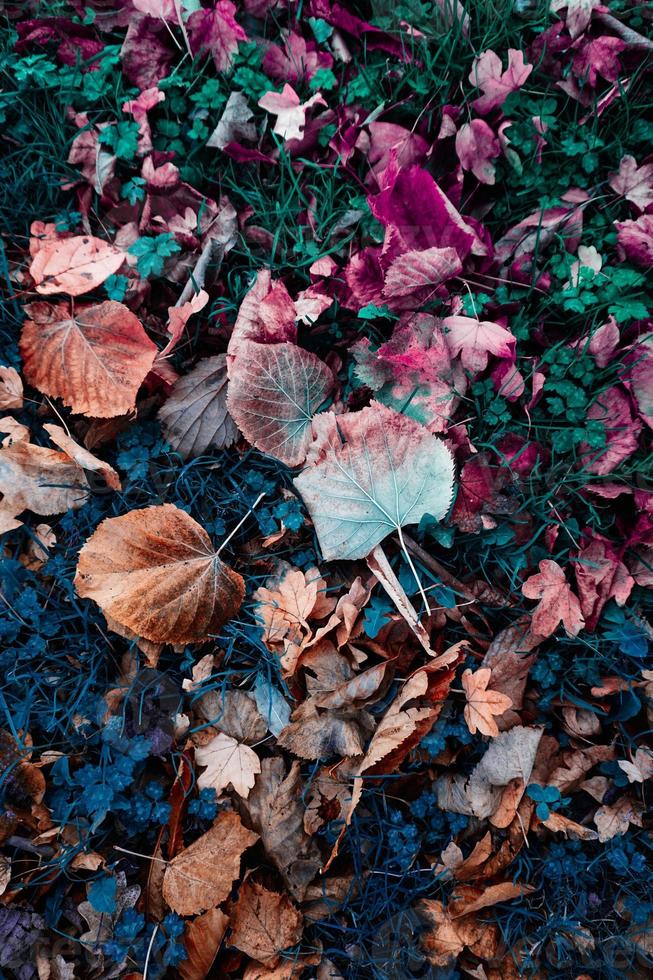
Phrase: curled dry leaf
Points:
(370, 473)
(11, 389)
(156, 572)
(227, 762)
(274, 391)
(482, 704)
(74, 265)
(94, 359)
(39, 479)
(195, 417)
(263, 923)
(82, 457)
(201, 876)
(202, 940)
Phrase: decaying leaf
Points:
(39, 479)
(263, 923)
(202, 939)
(11, 389)
(274, 391)
(156, 572)
(94, 359)
(195, 417)
(227, 762)
(201, 876)
(369, 473)
(482, 704)
(82, 456)
(74, 265)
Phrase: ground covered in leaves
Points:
(326, 513)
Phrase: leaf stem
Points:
(413, 570)
(241, 522)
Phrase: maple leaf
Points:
(633, 182)
(600, 576)
(289, 110)
(579, 13)
(475, 340)
(482, 704)
(195, 417)
(369, 473)
(11, 389)
(263, 923)
(216, 31)
(74, 265)
(495, 84)
(178, 317)
(284, 607)
(155, 572)
(201, 876)
(274, 391)
(202, 940)
(94, 360)
(477, 146)
(557, 604)
(227, 762)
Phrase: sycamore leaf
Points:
(11, 389)
(289, 110)
(195, 417)
(495, 84)
(227, 762)
(482, 704)
(557, 604)
(202, 875)
(421, 268)
(74, 265)
(633, 182)
(202, 939)
(274, 391)
(94, 360)
(156, 572)
(475, 340)
(263, 923)
(370, 473)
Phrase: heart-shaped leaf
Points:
(274, 391)
(370, 473)
(156, 572)
(94, 360)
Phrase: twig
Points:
(627, 34)
(446, 577)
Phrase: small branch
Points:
(241, 522)
(627, 34)
(446, 577)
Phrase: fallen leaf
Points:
(476, 147)
(354, 504)
(155, 572)
(641, 767)
(178, 317)
(74, 265)
(234, 124)
(495, 84)
(613, 820)
(201, 876)
(420, 269)
(216, 32)
(482, 704)
(557, 604)
(263, 923)
(202, 939)
(11, 389)
(460, 903)
(227, 762)
(94, 360)
(274, 391)
(579, 14)
(289, 110)
(475, 340)
(195, 416)
(39, 479)
(560, 824)
(82, 456)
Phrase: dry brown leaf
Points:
(40, 479)
(641, 767)
(5, 873)
(557, 603)
(201, 876)
(510, 657)
(284, 605)
(227, 762)
(74, 265)
(82, 456)
(263, 923)
(315, 734)
(482, 704)
(202, 939)
(36, 555)
(576, 763)
(446, 938)
(275, 809)
(472, 898)
(382, 570)
(195, 417)
(235, 713)
(156, 572)
(94, 360)
(560, 824)
(13, 431)
(11, 389)
(614, 819)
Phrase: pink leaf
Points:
(579, 13)
(612, 408)
(74, 265)
(417, 269)
(477, 146)
(475, 340)
(557, 604)
(600, 576)
(636, 239)
(216, 31)
(633, 182)
(496, 85)
(290, 112)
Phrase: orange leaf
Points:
(482, 704)
(94, 360)
(263, 923)
(156, 572)
(74, 265)
(557, 604)
(202, 939)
